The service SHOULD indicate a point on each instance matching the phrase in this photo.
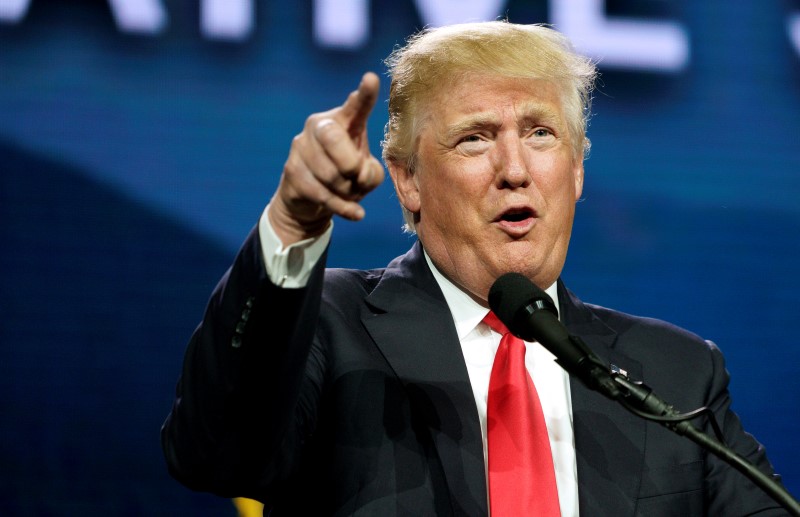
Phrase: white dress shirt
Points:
(291, 267)
(479, 344)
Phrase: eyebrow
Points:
(472, 123)
(531, 114)
(535, 113)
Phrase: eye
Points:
(472, 144)
(471, 138)
(541, 137)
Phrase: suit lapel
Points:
(410, 322)
(407, 317)
(609, 441)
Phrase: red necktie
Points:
(522, 479)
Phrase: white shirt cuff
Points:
(290, 267)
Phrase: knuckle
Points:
(350, 163)
(291, 167)
(297, 146)
(326, 131)
(327, 174)
(380, 173)
(313, 120)
(374, 174)
(352, 97)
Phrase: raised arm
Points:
(234, 421)
(329, 169)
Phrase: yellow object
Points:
(248, 507)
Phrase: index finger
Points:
(359, 104)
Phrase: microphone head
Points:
(513, 292)
(530, 314)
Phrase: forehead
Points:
(486, 96)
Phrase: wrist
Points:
(289, 228)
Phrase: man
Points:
(346, 392)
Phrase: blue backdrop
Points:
(140, 140)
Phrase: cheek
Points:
(555, 177)
(458, 187)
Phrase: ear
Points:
(577, 172)
(405, 184)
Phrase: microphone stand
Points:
(639, 399)
(531, 315)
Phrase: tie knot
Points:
(494, 322)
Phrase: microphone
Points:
(529, 313)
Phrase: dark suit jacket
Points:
(351, 396)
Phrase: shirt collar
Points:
(466, 312)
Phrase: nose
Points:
(511, 165)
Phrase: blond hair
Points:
(435, 58)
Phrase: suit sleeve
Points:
(237, 395)
(731, 493)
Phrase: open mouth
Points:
(516, 215)
(518, 221)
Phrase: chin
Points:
(540, 277)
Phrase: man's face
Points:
(495, 181)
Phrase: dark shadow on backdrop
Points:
(99, 296)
